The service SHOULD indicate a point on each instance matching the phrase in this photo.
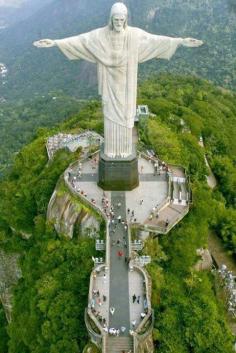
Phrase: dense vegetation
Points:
(187, 108)
(189, 317)
(39, 71)
(50, 298)
(19, 121)
(3, 332)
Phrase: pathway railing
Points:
(95, 337)
(138, 335)
(148, 286)
(100, 245)
(137, 245)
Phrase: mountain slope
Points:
(12, 12)
(32, 70)
(50, 298)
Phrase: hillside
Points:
(12, 12)
(19, 122)
(33, 71)
(50, 298)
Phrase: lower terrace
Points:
(99, 305)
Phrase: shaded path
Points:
(211, 179)
(219, 253)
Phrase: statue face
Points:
(118, 22)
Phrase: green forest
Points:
(49, 299)
(35, 71)
(20, 121)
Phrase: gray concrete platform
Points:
(150, 204)
(136, 307)
(100, 301)
(152, 188)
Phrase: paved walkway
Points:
(119, 282)
(100, 301)
(136, 288)
(211, 179)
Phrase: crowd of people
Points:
(230, 285)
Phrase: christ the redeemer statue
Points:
(117, 49)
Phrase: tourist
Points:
(112, 310)
(123, 328)
(120, 254)
(112, 331)
(138, 299)
(134, 298)
(133, 323)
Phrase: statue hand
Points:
(44, 43)
(191, 42)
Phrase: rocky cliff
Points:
(69, 216)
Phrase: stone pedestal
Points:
(118, 174)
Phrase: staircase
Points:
(119, 344)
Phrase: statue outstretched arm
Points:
(74, 48)
(44, 43)
(162, 47)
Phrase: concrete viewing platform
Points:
(119, 316)
(159, 202)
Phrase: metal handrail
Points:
(98, 337)
(140, 337)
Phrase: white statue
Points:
(117, 49)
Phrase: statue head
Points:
(118, 17)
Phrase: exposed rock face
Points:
(10, 273)
(67, 215)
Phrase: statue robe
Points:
(117, 76)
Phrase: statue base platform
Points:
(118, 174)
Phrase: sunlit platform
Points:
(159, 202)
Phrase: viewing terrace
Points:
(119, 314)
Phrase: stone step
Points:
(119, 344)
